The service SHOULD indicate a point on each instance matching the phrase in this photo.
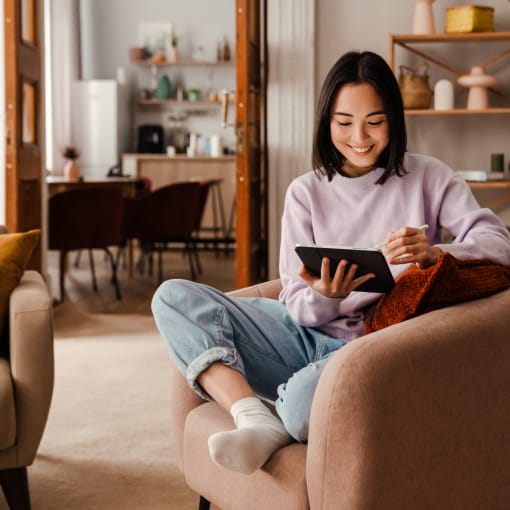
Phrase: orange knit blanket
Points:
(449, 281)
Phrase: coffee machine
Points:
(151, 139)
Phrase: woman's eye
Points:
(376, 122)
(344, 123)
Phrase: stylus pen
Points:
(421, 227)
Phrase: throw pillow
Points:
(449, 281)
(15, 252)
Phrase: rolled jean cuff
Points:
(225, 356)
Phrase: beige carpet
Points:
(107, 443)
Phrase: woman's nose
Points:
(359, 133)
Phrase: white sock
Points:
(258, 435)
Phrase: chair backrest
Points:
(85, 218)
(168, 213)
(143, 186)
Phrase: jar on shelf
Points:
(178, 135)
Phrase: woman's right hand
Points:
(342, 283)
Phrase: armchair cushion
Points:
(15, 252)
(449, 281)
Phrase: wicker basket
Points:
(469, 18)
(414, 86)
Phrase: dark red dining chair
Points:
(162, 219)
(86, 219)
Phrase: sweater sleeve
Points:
(478, 232)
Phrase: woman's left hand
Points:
(408, 245)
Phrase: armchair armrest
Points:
(416, 415)
(31, 359)
(269, 289)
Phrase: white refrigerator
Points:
(100, 125)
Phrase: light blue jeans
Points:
(280, 360)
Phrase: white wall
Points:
(110, 28)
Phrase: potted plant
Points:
(71, 168)
(194, 94)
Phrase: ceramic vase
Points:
(164, 88)
(443, 95)
(173, 54)
(71, 170)
(477, 82)
(423, 22)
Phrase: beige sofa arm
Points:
(417, 415)
(32, 362)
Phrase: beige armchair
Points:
(414, 416)
(26, 385)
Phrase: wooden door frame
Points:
(251, 150)
(24, 161)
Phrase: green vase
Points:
(164, 88)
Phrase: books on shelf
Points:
(480, 175)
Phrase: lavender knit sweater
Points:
(357, 212)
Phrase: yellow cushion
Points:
(15, 252)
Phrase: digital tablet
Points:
(369, 260)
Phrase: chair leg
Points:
(160, 266)
(121, 255)
(15, 487)
(114, 280)
(150, 260)
(93, 271)
(203, 504)
(194, 247)
(188, 248)
(77, 259)
(62, 269)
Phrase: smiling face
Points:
(359, 127)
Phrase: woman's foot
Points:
(248, 447)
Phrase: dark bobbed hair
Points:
(356, 68)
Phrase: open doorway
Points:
(251, 205)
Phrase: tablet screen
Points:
(369, 261)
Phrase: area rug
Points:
(107, 444)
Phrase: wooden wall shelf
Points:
(182, 63)
(176, 102)
(489, 184)
(406, 41)
(409, 43)
(447, 38)
(458, 111)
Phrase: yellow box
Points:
(469, 18)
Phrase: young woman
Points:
(365, 189)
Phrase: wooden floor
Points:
(218, 270)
